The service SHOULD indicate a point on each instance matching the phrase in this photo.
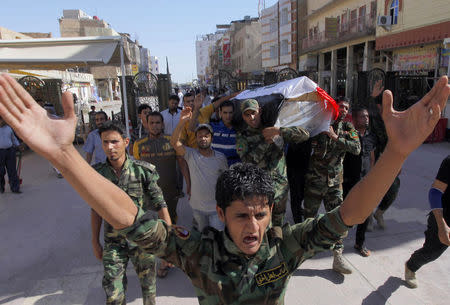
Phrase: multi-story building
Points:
(245, 37)
(154, 65)
(76, 23)
(279, 36)
(202, 47)
(338, 43)
(410, 35)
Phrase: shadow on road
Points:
(328, 274)
(385, 291)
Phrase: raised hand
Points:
(198, 101)
(46, 136)
(185, 114)
(408, 129)
(377, 88)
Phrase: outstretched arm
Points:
(406, 131)
(52, 139)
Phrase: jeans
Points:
(205, 219)
(432, 247)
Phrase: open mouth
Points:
(250, 240)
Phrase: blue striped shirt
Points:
(224, 141)
(7, 138)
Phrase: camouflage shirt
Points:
(253, 148)
(326, 162)
(139, 180)
(221, 274)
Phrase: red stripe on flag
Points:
(330, 100)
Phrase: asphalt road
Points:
(46, 255)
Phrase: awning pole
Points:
(124, 89)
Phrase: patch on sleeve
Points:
(353, 134)
(181, 232)
(271, 275)
(240, 147)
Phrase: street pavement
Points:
(46, 256)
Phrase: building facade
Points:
(202, 47)
(279, 36)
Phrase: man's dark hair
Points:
(356, 111)
(143, 107)
(102, 112)
(174, 97)
(242, 181)
(156, 113)
(226, 104)
(113, 126)
(92, 107)
(188, 94)
(340, 99)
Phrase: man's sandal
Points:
(362, 250)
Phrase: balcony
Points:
(360, 27)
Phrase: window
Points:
(393, 11)
(273, 52)
(362, 17)
(373, 9)
(284, 47)
(311, 34)
(353, 17)
(273, 25)
(284, 16)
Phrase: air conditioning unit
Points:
(384, 21)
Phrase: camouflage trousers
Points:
(279, 203)
(115, 261)
(315, 193)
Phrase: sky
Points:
(167, 28)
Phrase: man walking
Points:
(325, 175)
(93, 145)
(357, 166)
(249, 263)
(8, 147)
(139, 180)
(437, 235)
(264, 147)
(205, 166)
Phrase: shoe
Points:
(2, 190)
(339, 264)
(59, 175)
(379, 218)
(362, 250)
(162, 272)
(410, 278)
(17, 192)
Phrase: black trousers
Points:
(362, 227)
(391, 195)
(432, 247)
(8, 161)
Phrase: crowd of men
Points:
(233, 204)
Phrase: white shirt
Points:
(170, 120)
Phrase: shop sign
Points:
(415, 58)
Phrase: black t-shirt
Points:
(444, 176)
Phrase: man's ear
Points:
(220, 213)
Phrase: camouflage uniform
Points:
(325, 174)
(139, 180)
(378, 128)
(253, 148)
(221, 274)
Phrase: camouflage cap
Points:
(249, 104)
(204, 126)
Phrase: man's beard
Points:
(204, 146)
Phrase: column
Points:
(321, 67)
(110, 91)
(349, 73)
(368, 55)
(333, 83)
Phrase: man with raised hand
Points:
(245, 264)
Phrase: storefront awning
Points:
(60, 53)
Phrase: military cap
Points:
(204, 126)
(249, 104)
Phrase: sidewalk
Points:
(46, 256)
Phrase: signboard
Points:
(226, 49)
(134, 69)
(331, 27)
(415, 58)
